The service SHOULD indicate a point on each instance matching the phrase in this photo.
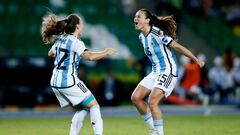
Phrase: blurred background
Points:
(209, 28)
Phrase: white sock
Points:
(158, 124)
(148, 119)
(96, 120)
(77, 122)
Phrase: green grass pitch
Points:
(174, 125)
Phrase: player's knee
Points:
(135, 99)
(152, 103)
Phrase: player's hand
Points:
(110, 51)
(200, 63)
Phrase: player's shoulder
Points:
(156, 31)
(75, 40)
(154, 28)
(140, 35)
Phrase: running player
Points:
(157, 37)
(68, 50)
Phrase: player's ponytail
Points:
(165, 23)
(50, 27)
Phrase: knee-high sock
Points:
(158, 124)
(96, 120)
(148, 119)
(77, 122)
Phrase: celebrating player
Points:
(68, 50)
(157, 37)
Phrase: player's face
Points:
(140, 20)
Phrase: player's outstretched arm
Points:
(176, 46)
(93, 56)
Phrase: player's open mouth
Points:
(136, 23)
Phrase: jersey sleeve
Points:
(164, 39)
(79, 47)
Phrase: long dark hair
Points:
(166, 23)
(52, 26)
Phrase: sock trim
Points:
(147, 116)
(158, 122)
(88, 100)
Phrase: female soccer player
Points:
(157, 38)
(68, 50)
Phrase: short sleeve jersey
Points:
(68, 50)
(156, 47)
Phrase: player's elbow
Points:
(51, 54)
(88, 55)
(91, 58)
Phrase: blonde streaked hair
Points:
(52, 26)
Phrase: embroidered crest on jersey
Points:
(165, 40)
(152, 44)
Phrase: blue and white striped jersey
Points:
(67, 49)
(156, 47)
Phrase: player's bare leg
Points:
(155, 97)
(138, 96)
